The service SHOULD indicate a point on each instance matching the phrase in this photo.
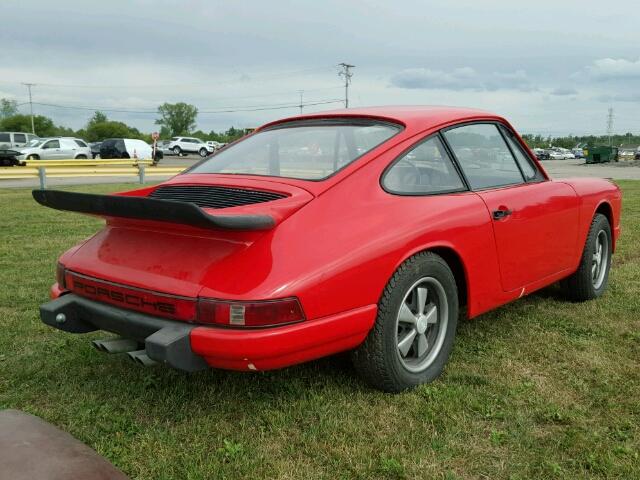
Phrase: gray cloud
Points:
(464, 78)
(564, 91)
(614, 69)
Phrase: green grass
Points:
(540, 388)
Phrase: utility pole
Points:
(301, 92)
(29, 85)
(347, 74)
(610, 124)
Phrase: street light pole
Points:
(29, 85)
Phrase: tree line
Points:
(176, 119)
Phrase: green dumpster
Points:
(600, 154)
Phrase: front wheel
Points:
(413, 335)
(591, 279)
(203, 152)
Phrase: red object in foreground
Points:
(299, 239)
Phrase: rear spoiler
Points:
(144, 208)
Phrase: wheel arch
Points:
(455, 262)
(605, 209)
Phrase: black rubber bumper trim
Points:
(145, 208)
(166, 341)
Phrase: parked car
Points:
(215, 145)
(180, 145)
(128, 148)
(541, 154)
(253, 262)
(9, 157)
(95, 149)
(577, 153)
(163, 145)
(55, 148)
(15, 140)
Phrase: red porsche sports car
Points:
(365, 230)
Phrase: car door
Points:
(51, 150)
(535, 220)
(19, 140)
(68, 148)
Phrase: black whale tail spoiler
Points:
(145, 208)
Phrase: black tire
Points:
(379, 360)
(81, 157)
(33, 157)
(203, 152)
(177, 150)
(581, 285)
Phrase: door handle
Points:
(500, 214)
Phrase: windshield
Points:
(308, 150)
(35, 142)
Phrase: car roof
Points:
(412, 117)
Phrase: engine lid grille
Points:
(208, 196)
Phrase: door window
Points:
(424, 170)
(483, 155)
(528, 170)
(5, 137)
(19, 138)
(51, 144)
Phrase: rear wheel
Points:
(413, 335)
(177, 150)
(591, 279)
(81, 157)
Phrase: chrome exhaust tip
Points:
(141, 358)
(115, 345)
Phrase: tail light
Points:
(60, 276)
(250, 314)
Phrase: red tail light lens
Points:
(249, 314)
(60, 276)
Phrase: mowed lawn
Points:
(540, 388)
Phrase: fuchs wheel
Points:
(177, 150)
(591, 279)
(413, 335)
(203, 152)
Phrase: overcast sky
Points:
(554, 67)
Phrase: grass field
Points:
(537, 389)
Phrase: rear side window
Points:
(528, 170)
(483, 155)
(19, 138)
(424, 170)
(5, 137)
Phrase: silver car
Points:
(62, 148)
(180, 145)
(14, 140)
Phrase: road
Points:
(555, 168)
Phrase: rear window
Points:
(308, 150)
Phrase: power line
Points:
(347, 74)
(231, 109)
(244, 78)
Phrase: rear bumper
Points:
(192, 347)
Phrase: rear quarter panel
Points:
(597, 193)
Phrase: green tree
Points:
(8, 108)
(179, 118)
(98, 117)
(96, 131)
(44, 126)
